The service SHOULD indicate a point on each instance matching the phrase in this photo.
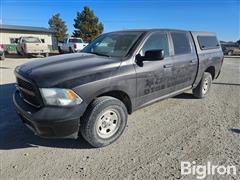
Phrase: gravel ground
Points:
(154, 143)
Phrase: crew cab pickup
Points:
(28, 46)
(93, 92)
(71, 45)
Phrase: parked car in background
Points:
(231, 48)
(2, 54)
(27, 46)
(94, 91)
(71, 45)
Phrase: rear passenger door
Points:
(185, 60)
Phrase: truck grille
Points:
(28, 92)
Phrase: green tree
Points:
(58, 26)
(87, 25)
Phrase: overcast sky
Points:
(222, 17)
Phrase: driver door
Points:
(154, 77)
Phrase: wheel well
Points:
(211, 70)
(122, 96)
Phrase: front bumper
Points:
(49, 121)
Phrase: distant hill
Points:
(230, 42)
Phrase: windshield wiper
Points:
(99, 54)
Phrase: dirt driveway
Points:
(154, 143)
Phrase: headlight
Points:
(60, 97)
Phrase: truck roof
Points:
(203, 33)
(163, 29)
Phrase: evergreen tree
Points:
(58, 26)
(87, 25)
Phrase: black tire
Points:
(46, 54)
(19, 53)
(94, 115)
(60, 50)
(28, 55)
(71, 50)
(23, 54)
(204, 86)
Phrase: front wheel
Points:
(104, 121)
(60, 50)
(204, 86)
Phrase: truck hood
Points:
(68, 71)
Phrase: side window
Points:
(208, 42)
(181, 43)
(156, 41)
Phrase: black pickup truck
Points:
(93, 91)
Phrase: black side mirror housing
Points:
(157, 54)
(151, 55)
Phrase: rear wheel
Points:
(204, 86)
(71, 50)
(19, 53)
(104, 121)
(22, 52)
(46, 54)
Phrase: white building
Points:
(10, 33)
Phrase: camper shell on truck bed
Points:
(93, 92)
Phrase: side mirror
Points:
(151, 55)
(154, 55)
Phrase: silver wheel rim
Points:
(107, 123)
(205, 86)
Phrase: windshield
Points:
(75, 41)
(31, 40)
(115, 44)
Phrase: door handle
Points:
(167, 65)
(192, 62)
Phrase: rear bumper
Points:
(49, 122)
(37, 52)
(77, 50)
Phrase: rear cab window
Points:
(30, 40)
(208, 42)
(75, 41)
(181, 43)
